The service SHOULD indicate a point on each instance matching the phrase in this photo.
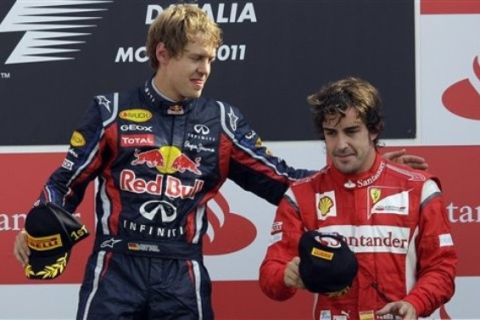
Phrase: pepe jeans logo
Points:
(41, 22)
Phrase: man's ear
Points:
(162, 54)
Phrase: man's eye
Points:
(352, 132)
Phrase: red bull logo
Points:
(174, 188)
(167, 160)
(183, 163)
(152, 158)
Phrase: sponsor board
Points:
(449, 82)
(239, 233)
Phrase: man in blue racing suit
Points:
(159, 152)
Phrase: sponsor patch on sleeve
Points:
(445, 240)
(325, 315)
(277, 226)
(276, 237)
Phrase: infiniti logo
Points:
(149, 210)
(201, 129)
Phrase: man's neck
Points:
(157, 87)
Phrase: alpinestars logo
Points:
(48, 27)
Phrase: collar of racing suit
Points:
(363, 179)
(167, 106)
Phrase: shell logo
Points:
(136, 115)
(77, 139)
(324, 205)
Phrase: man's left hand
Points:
(401, 156)
(399, 308)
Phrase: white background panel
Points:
(446, 48)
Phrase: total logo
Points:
(463, 97)
(50, 28)
(167, 160)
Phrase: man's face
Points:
(349, 144)
(185, 75)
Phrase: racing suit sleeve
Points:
(286, 231)
(67, 184)
(437, 259)
(251, 165)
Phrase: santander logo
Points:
(463, 97)
(227, 231)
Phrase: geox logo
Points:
(38, 19)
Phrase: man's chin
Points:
(194, 94)
(345, 168)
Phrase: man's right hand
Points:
(291, 275)
(20, 248)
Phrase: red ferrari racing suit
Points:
(392, 217)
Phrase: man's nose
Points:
(342, 141)
(204, 67)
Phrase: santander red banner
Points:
(230, 232)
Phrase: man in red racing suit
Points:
(391, 216)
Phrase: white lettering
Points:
(126, 141)
(176, 189)
(232, 52)
(12, 222)
(124, 55)
(154, 231)
(174, 186)
(219, 12)
(135, 127)
(464, 214)
(153, 10)
(372, 238)
(129, 55)
(225, 52)
(248, 13)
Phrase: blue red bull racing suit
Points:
(157, 164)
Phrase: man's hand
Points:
(20, 248)
(291, 275)
(399, 308)
(401, 156)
